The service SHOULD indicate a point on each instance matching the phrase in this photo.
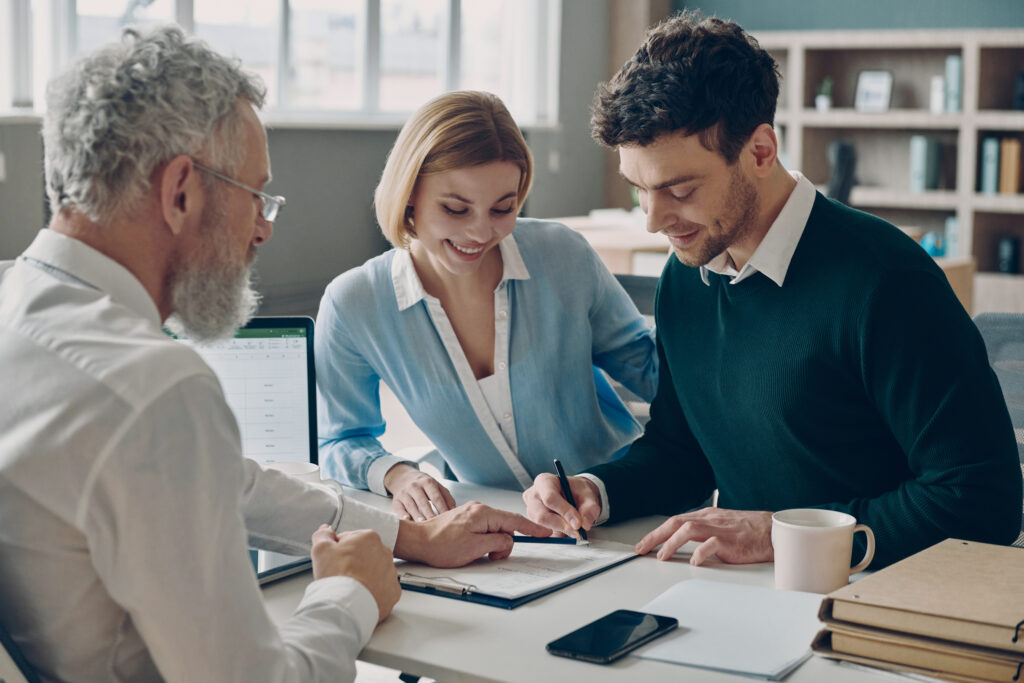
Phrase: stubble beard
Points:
(212, 296)
(735, 225)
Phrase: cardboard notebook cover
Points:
(961, 591)
(931, 656)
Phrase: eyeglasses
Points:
(271, 204)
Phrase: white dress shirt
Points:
(126, 501)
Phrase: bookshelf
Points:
(991, 60)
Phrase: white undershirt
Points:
(500, 403)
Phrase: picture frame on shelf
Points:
(874, 91)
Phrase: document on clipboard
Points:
(531, 571)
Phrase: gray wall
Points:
(328, 225)
(21, 192)
(787, 15)
(328, 177)
(577, 185)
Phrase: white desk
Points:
(453, 641)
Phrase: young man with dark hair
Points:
(811, 355)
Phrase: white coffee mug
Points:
(813, 547)
(305, 471)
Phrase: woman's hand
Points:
(416, 495)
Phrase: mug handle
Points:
(869, 554)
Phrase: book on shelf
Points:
(954, 82)
(1009, 165)
(952, 236)
(989, 166)
(924, 163)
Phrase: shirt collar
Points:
(91, 267)
(409, 289)
(772, 257)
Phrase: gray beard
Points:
(214, 297)
(211, 305)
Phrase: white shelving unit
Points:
(991, 61)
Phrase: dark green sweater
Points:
(860, 385)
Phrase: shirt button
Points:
(502, 315)
(501, 365)
(507, 416)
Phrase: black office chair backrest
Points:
(641, 290)
(27, 671)
(1004, 340)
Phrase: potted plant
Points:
(823, 100)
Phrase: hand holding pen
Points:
(570, 508)
(567, 492)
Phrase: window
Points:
(99, 21)
(6, 67)
(411, 56)
(329, 59)
(324, 65)
(246, 30)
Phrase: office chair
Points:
(14, 668)
(1004, 339)
(842, 159)
(641, 289)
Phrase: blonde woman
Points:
(492, 330)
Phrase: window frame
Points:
(45, 41)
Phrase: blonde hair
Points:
(455, 130)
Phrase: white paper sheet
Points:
(749, 630)
(530, 568)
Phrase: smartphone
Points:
(612, 636)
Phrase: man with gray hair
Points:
(126, 503)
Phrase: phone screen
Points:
(611, 636)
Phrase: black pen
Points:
(560, 540)
(567, 492)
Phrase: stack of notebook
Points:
(953, 611)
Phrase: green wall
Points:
(788, 15)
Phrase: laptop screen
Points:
(269, 380)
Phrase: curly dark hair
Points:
(703, 76)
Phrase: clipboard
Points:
(531, 572)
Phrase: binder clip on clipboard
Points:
(444, 584)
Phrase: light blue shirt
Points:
(560, 318)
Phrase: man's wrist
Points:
(413, 541)
(602, 494)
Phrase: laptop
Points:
(269, 380)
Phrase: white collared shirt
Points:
(500, 426)
(126, 502)
(773, 254)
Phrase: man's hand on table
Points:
(459, 536)
(735, 536)
(361, 556)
